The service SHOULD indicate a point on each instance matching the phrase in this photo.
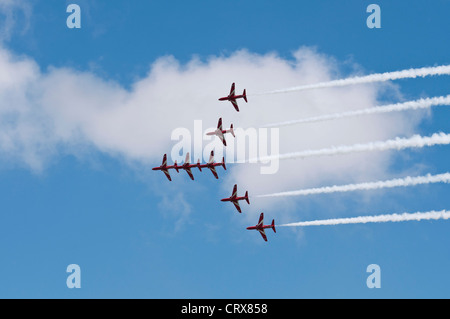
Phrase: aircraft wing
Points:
(222, 138)
(219, 124)
(261, 219)
(211, 158)
(263, 234)
(166, 172)
(213, 170)
(236, 204)
(235, 104)
(232, 89)
(188, 170)
(234, 194)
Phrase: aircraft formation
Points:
(211, 165)
(187, 166)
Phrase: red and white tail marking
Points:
(232, 130)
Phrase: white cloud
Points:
(12, 11)
(61, 109)
(175, 206)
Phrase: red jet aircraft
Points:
(220, 132)
(234, 199)
(260, 226)
(186, 166)
(211, 165)
(232, 97)
(165, 168)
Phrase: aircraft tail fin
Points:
(223, 163)
(245, 96)
(232, 130)
(273, 225)
(198, 165)
(246, 198)
(176, 166)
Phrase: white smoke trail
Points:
(399, 182)
(377, 77)
(415, 141)
(411, 105)
(443, 214)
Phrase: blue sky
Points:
(97, 204)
